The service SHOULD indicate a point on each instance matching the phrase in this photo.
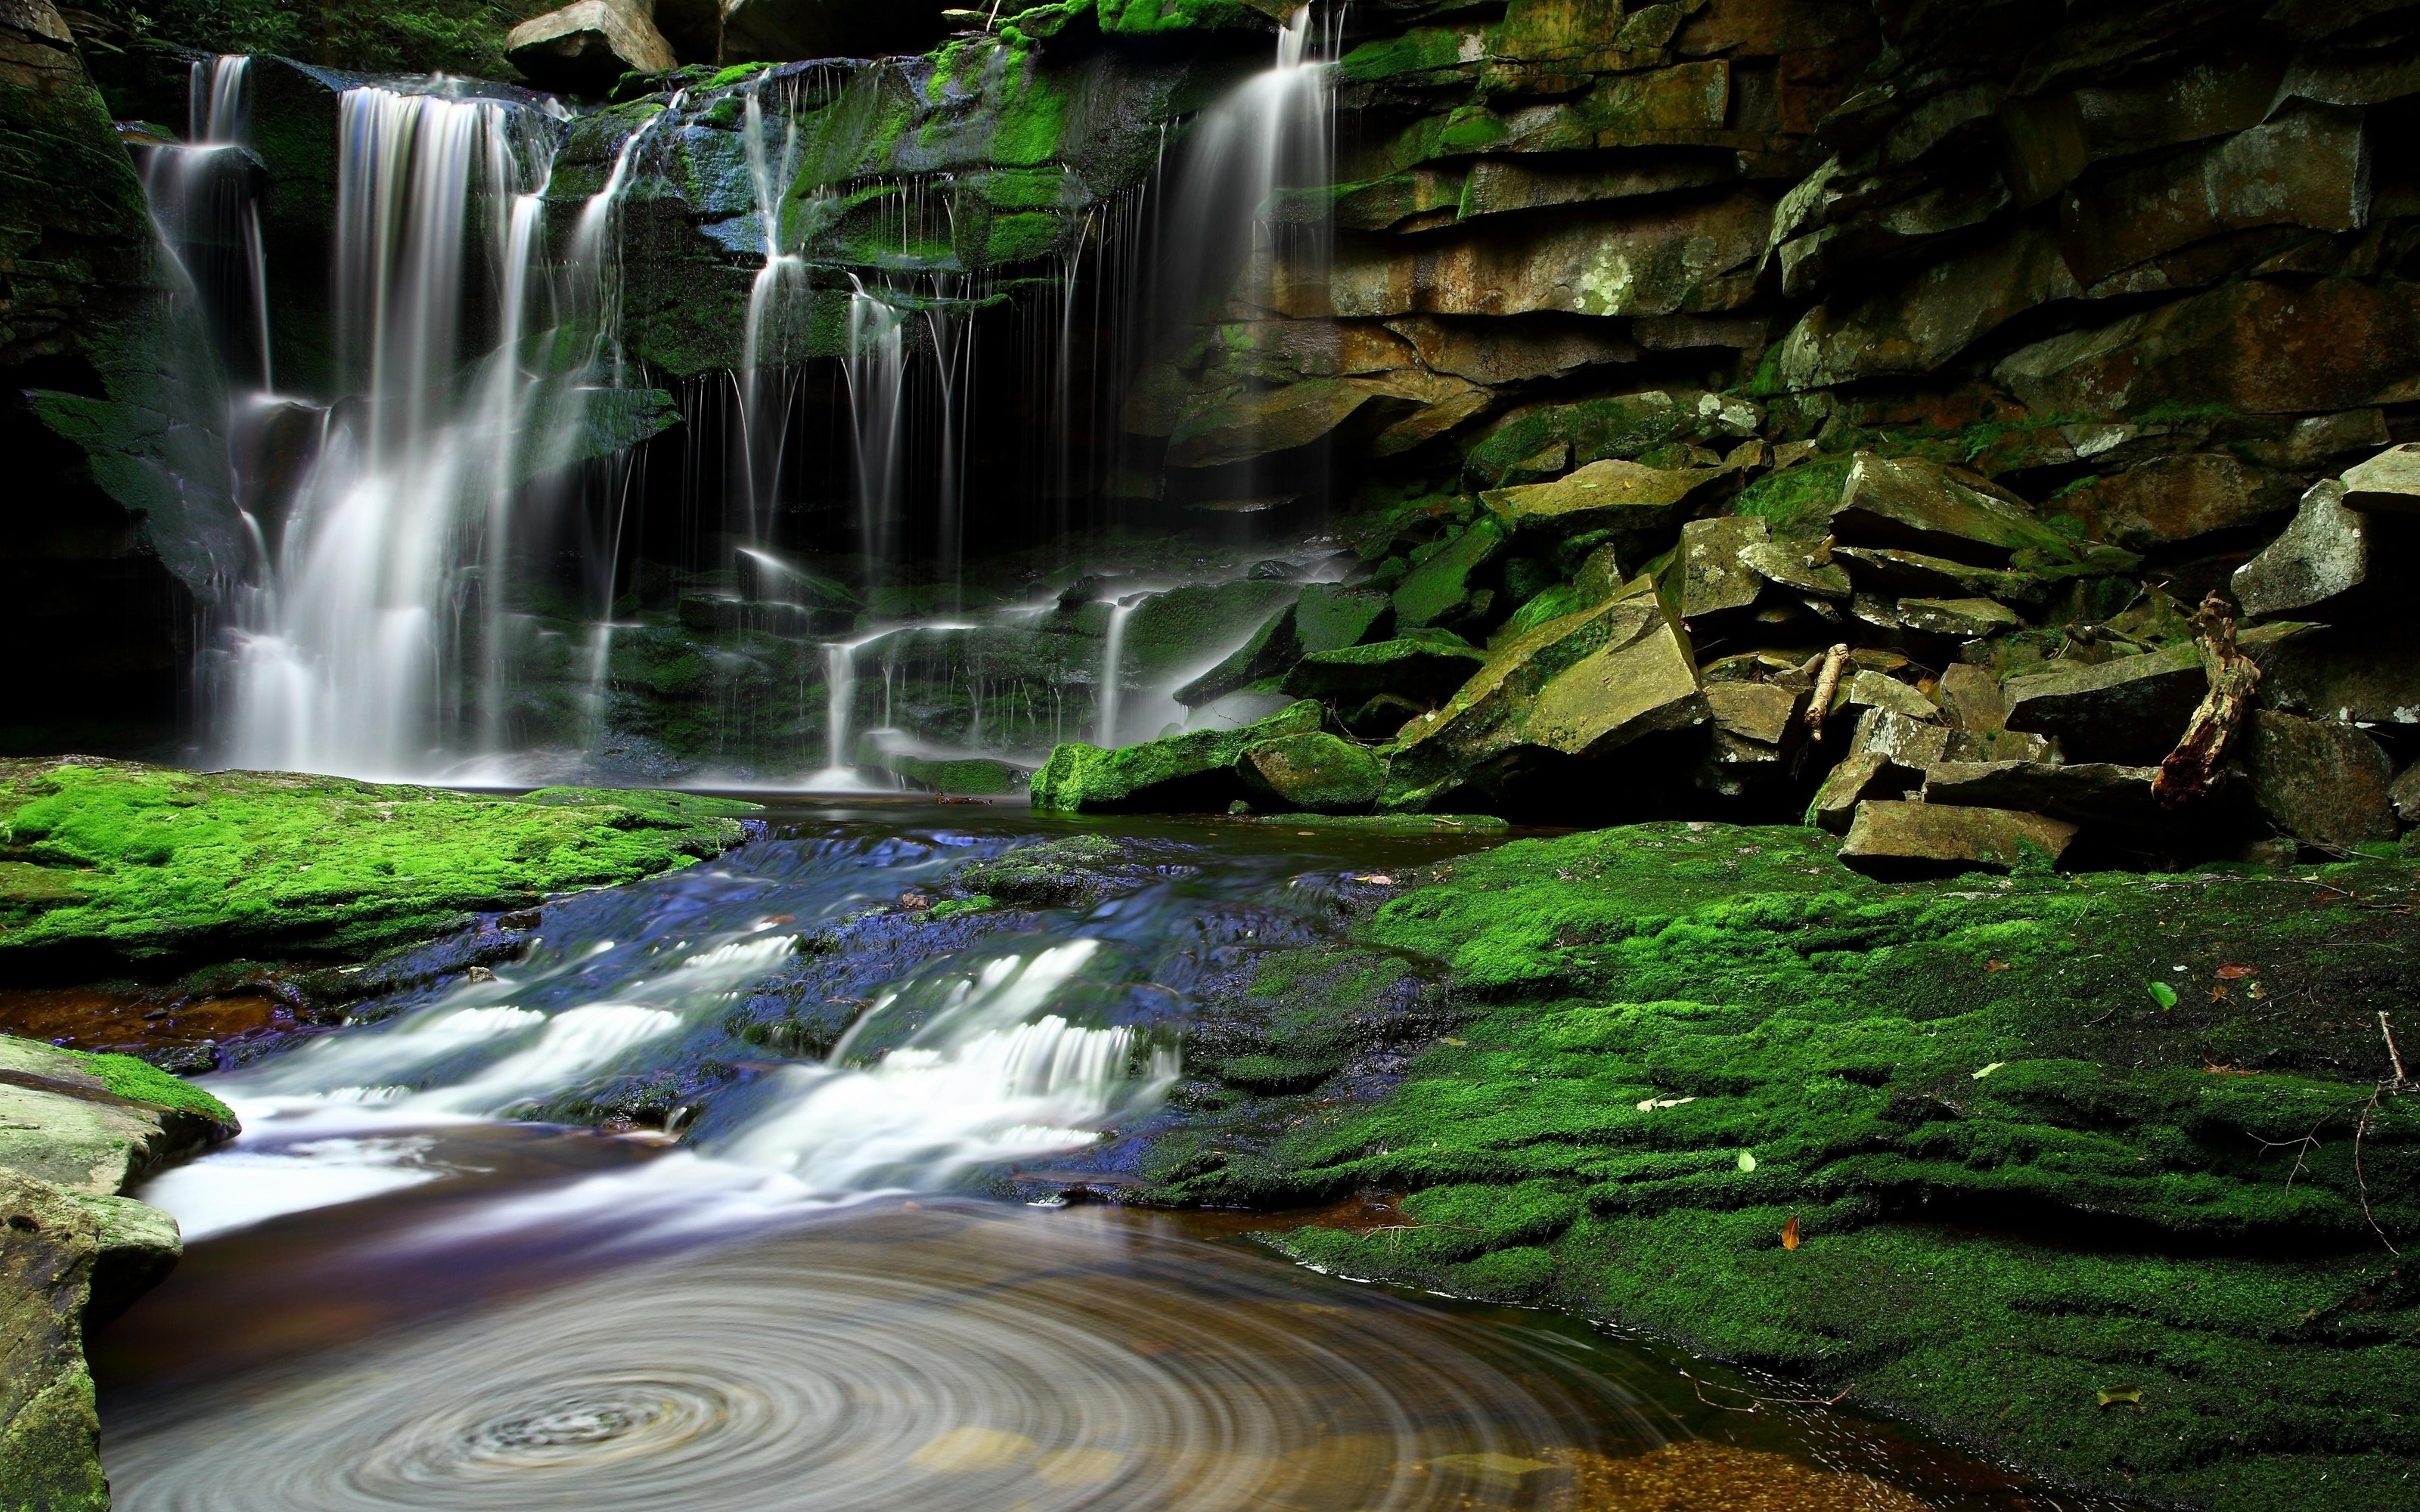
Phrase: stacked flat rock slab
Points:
(588, 45)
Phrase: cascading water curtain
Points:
(349, 645)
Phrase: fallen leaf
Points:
(1987, 1071)
(1447, 1038)
(2218, 993)
(1747, 1161)
(1790, 1233)
(2112, 1395)
(2162, 994)
(1651, 1103)
(2232, 970)
(1996, 966)
(1380, 878)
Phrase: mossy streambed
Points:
(1969, 1156)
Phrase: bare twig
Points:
(1755, 1402)
(1827, 682)
(2358, 1129)
(2392, 1053)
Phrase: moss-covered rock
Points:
(113, 860)
(1193, 772)
(1313, 771)
(1982, 1151)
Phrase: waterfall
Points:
(876, 374)
(470, 365)
(782, 281)
(204, 204)
(1113, 647)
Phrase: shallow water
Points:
(398, 1296)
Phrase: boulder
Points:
(1890, 839)
(588, 45)
(1271, 649)
(1878, 690)
(2128, 709)
(1438, 589)
(1316, 772)
(1916, 572)
(1714, 573)
(2352, 675)
(2317, 781)
(1920, 323)
(1418, 664)
(1328, 616)
(1923, 506)
(2099, 794)
(1586, 430)
(1907, 742)
(783, 31)
(63, 1123)
(1194, 772)
(1962, 619)
(2172, 499)
(50, 1431)
(1582, 685)
(1791, 564)
(1763, 712)
(1857, 776)
(2322, 556)
(2387, 484)
(1612, 494)
(2405, 792)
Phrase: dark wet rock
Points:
(1916, 839)
(2173, 498)
(1192, 772)
(587, 45)
(2095, 794)
(1439, 589)
(2323, 555)
(1415, 665)
(2128, 709)
(1076, 872)
(1922, 506)
(1315, 771)
(780, 30)
(2319, 782)
(2405, 794)
(1897, 572)
(2387, 484)
(1922, 322)
(1957, 619)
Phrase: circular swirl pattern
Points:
(942, 1359)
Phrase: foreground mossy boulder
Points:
(2098, 1174)
(1194, 771)
(115, 860)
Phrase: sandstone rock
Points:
(1437, 589)
(1963, 619)
(50, 1431)
(62, 1124)
(782, 31)
(1875, 690)
(1499, 185)
(1499, 353)
(1971, 697)
(1908, 744)
(1792, 566)
(1419, 664)
(1916, 325)
(1623, 426)
(2387, 484)
(1188, 773)
(1916, 573)
(1714, 574)
(1904, 839)
(2097, 794)
(587, 45)
(2256, 347)
(1241, 422)
(1328, 616)
(1583, 684)
(1760, 712)
(1608, 495)
(2322, 555)
(2405, 794)
(1925, 507)
(2306, 168)
(1857, 776)
(1659, 260)
(2174, 499)
(2322, 782)
(1316, 772)
(2128, 709)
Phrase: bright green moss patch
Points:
(143, 1082)
(2019, 1176)
(120, 861)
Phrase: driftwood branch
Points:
(1827, 682)
(2192, 770)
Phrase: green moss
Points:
(113, 859)
(141, 1082)
(1191, 772)
(1804, 495)
(2018, 1176)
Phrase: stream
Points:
(401, 1289)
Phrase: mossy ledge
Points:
(108, 864)
(2096, 1173)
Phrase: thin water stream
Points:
(403, 1291)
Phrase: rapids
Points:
(404, 1288)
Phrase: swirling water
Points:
(399, 1294)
